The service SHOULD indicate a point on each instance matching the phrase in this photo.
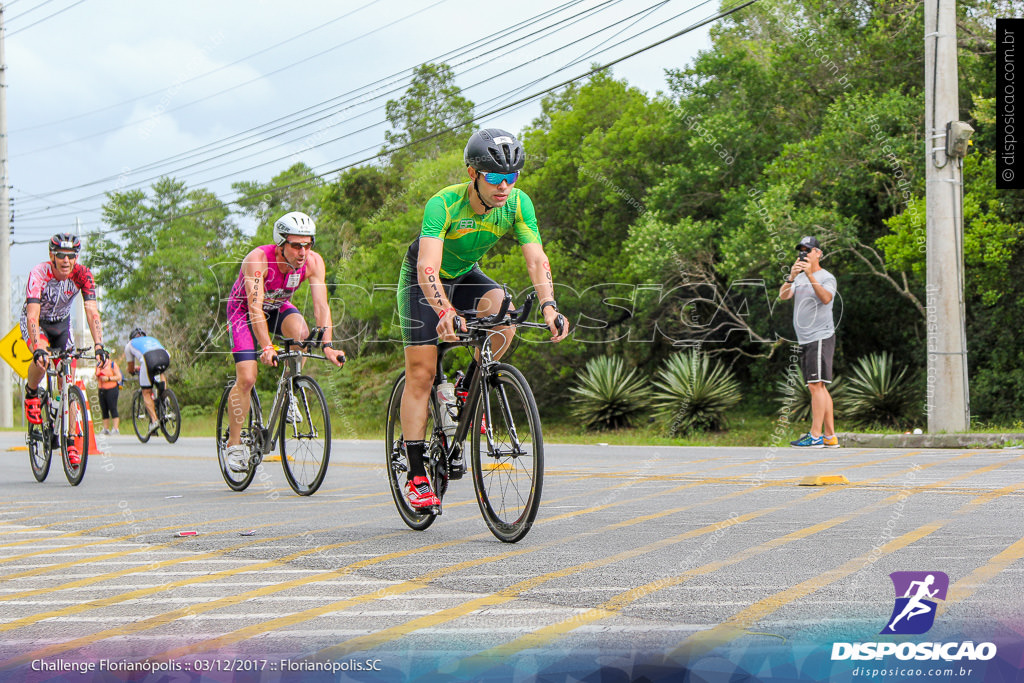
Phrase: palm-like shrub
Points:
(695, 394)
(877, 396)
(794, 398)
(607, 396)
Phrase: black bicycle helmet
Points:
(137, 332)
(65, 241)
(493, 150)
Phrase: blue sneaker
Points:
(808, 441)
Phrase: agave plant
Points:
(694, 393)
(878, 396)
(794, 397)
(607, 396)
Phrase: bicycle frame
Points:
(60, 373)
(271, 428)
(479, 337)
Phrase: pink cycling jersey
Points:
(278, 288)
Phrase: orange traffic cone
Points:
(93, 448)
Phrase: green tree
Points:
(165, 264)
(431, 116)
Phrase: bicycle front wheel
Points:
(140, 418)
(237, 481)
(40, 445)
(396, 462)
(74, 442)
(508, 457)
(305, 436)
(170, 416)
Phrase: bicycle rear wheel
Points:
(396, 463)
(170, 416)
(238, 481)
(508, 470)
(306, 439)
(140, 418)
(40, 442)
(75, 437)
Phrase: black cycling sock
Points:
(414, 450)
(31, 393)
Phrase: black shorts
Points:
(153, 363)
(108, 402)
(816, 360)
(419, 322)
(57, 332)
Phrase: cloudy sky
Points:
(105, 95)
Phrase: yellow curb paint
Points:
(826, 480)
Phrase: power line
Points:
(46, 18)
(520, 102)
(195, 78)
(232, 88)
(340, 99)
(220, 144)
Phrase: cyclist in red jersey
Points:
(46, 315)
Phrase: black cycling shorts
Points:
(419, 322)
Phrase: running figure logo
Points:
(914, 612)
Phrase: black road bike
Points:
(298, 420)
(168, 414)
(65, 416)
(500, 421)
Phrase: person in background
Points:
(813, 290)
(147, 356)
(108, 379)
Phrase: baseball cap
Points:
(808, 242)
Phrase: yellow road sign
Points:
(14, 350)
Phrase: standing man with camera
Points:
(813, 290)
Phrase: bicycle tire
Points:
(40, 442)
(508, 479)
(237, 481)
(140, 418)
(170, 415)
(306, 445)
(396, 463)
(76, 433)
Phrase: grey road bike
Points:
(299, 421)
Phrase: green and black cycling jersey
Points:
(468, 235)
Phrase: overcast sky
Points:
(105, 95)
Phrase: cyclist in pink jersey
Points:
(46, 316)
(260, 304)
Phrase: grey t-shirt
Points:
(811, 318)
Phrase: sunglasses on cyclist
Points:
(299, 245)
(61, 255)
(496, 178)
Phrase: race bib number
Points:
(293, 280)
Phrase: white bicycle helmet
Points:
(294, 223)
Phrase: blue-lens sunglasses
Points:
(496, 178)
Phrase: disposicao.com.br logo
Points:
(914, 614)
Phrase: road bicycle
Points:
(65, 419)
(298, 420)
(168, 413)
(498, 416)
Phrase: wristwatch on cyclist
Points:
(548, 303)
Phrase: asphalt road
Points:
(644, 561)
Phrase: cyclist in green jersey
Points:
(441, 273)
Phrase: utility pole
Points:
(6, 400)
(947, 388)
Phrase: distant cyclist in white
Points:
(147, 356)
(914, 606)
